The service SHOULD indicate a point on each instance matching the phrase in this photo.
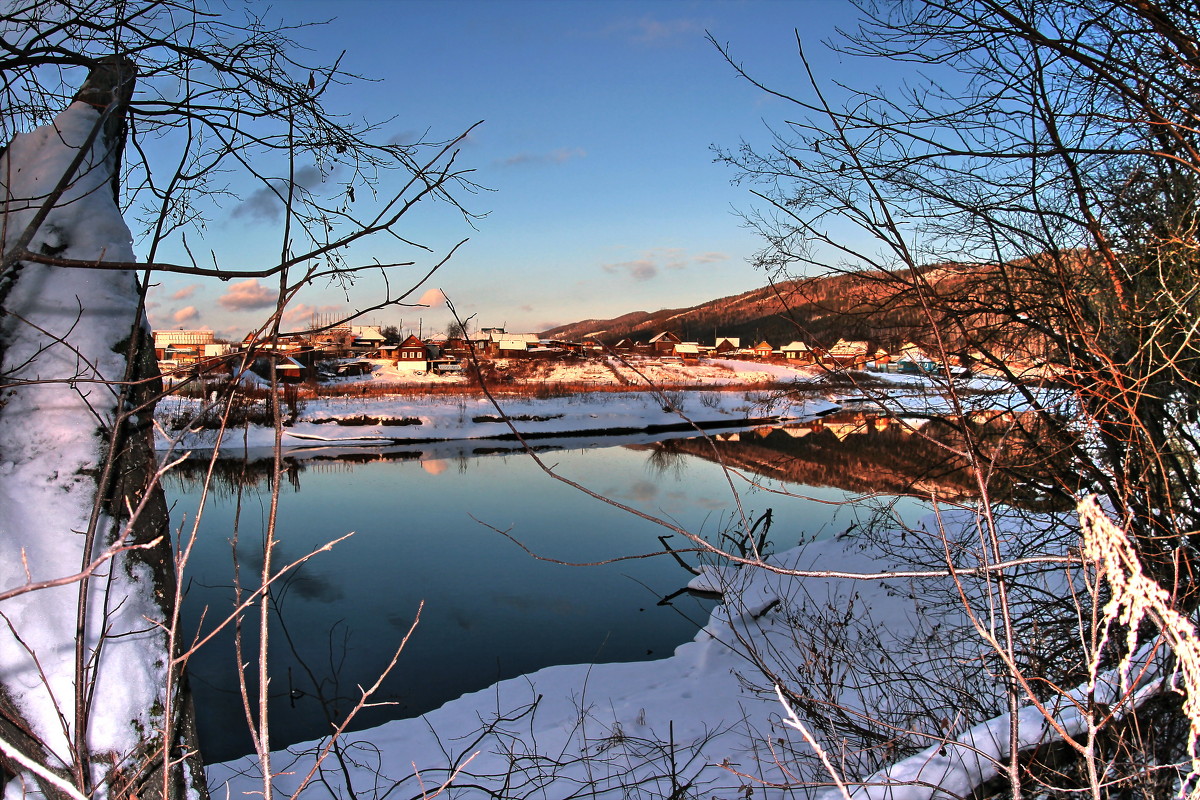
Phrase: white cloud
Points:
(247, 294)
(432, 298)
(186, 314)
(185, 292)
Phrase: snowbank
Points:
(381, 421)
(706, 718)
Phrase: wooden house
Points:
(664, 343)
(846, 354)
(366, 340)
(799, 352)
(763, 349)
(688, 351)
(412, 354)
(726, 345)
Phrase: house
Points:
(412, 355)
(763, 349)
(688, 351)
(333, 341)
(511, 348)
(287, 369)
(914, 359)
(628, 347)
(664, 343)
(799, 352)
(727, 345)
(366, 339)
(513, 343)
(182, 347)
(846, 354)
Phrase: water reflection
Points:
(491, 611)
(865, 454)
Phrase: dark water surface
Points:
(425, 528)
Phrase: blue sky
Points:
(597, 125)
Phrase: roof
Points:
(735, 341)
(501, 336)
(848, 348)
(687, 349)
(795, 346)
(412, 342)
(164, 338)
(367, 333)
(665, 336)
(513, 344)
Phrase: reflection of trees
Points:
(863, 453)
(667, 458)
(231, 475)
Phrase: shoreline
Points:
(407, 420)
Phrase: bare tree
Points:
(91, 699)
(1029, 203)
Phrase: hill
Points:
(865, 305)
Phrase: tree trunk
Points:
(89, 691)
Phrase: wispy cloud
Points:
(265, 205)
(185, 292)
(560, 155)
(648, 30)
(247, 294)
(642, 269)
(651, 262)
(303, 313)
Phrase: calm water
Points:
(420, 523)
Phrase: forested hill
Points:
(865, 306)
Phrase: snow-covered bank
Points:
(405, 418)
(704, 722)
(390, 420)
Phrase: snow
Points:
(64, 325)
(464, 416)
(706, 715)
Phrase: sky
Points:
(598, 122)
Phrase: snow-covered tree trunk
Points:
(89, 697)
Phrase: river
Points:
(439, 525)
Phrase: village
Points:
(347, 351)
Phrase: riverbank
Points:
(385, 421)
(371, 419)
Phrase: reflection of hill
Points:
(862, 454)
